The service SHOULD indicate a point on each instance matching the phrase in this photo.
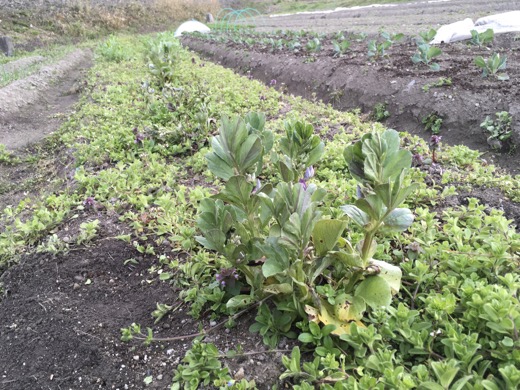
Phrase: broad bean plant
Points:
(276, 238)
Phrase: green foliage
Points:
(425, 37)
(492, 65)
(433, 123)
(380, 112)
(340, 47)
(326, 369)
(300, 149)
(441, 82)
(377, 48)
(313, 45)
(112, 50)
(7, 157)
(163, 56)
(201, 368)
(500, 129)
(454, 320)
(239, 147)
(281, 224)
(483, 38)
(271, 324)
(87, 231)
(426, 53)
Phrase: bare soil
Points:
(407, 18)
(62, 317)
(21, 64)
(27, 106)
(356, 82)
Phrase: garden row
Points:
(406, 83)
(245, 198)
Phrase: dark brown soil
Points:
(62, 315)
(354, 81)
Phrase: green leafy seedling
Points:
(483, 38)
(426, 53)
(492, 66)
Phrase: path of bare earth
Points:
(29, 107)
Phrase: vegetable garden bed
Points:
(386, 85)
(135, 235)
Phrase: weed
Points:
(441, 82)
(500, 129)
(433, 123)
(112, 50)
(380, 112)
(88, 231)
(7, 157)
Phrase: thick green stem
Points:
(367, 244)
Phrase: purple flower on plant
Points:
(309, 173)
(139, 137)
(227, 277)
(258, 186)
(435, 140)
(273, 82)
(359, 192)
(89, 202)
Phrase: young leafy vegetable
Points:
(426, 54)
(483, 38)
(492, 65)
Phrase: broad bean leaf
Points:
(376, 292)
(356, 214)
(390, 273)
(376, 158)
(283, 288)
(234, 150)
(215, 221)
(326, 233)
(277, 259)
(398, 220)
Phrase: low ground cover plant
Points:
(499, 129)
(441, 82)
(432, 122)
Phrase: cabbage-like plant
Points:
(492, 65)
